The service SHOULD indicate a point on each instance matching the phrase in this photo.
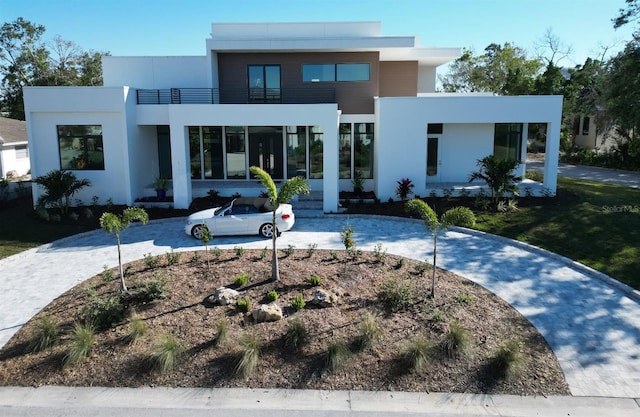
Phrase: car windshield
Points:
(224, 207)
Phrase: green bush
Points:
(315, 280)
(249, 356)
(296, 335)
(167, 351)
(338, 355)
(534, 176)
(137, 329)
(46, 333)
(311, 248)
(173, 257)
(459, 216)
(239, 251)
(395, 294)
(507, 358)
(151, 261)
(416, 353)
(298, 303)
(456, 341)
(103, 311)
(222, 332)
(242, 279)
(148, 291)
(289, 250)
(81, 343)
(243, 304)
(272, 295)
(370, 332)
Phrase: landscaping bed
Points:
(368, 285)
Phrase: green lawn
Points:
(593, 223)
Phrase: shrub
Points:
(507, 358)
(263, 253)
(87, 213)
(81, 342)
(151, 261)
(347, 238)
(315, 280)
(239, 251)
(243, 304)
(338, 355)
(404, 188)
(148, 291)
(459, 216)
(296, 335)
(298, 303)
(399, 264)
(216, 252)
(379, 253)
(222, 332)
(272, 295)
(167, 351)
(534, 176)
(137, 329)
(370, 332)
(74, 216)
(289, 250)
(195, 257)
(311, 249)
(464, 298)
(249, 356)
(242, 279)
(173, 257)
(103, 312)
(416, 353)
(107, 274)
(46, 334)
(395, 294)
(334, 255)
(456, 341)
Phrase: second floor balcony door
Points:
(264, 83)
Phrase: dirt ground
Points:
(487, 321)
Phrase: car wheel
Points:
(198, 231)
(266, 230)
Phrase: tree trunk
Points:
(123, 286)
(275, 270)
(433, 275)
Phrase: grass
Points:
(416, 353)
(296, 335)
(81, 343)
(249, 356)
(166, 352)
(46, 334)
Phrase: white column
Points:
(330, 177)
(522, 168)
(180, 165)
(551, 156)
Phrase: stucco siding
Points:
(156, 72)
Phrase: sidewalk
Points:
(592, 326)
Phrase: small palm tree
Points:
(59, 186)
(498, 174)
(431, 222)
(112, 223)
(288, 190)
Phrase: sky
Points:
(180, 27)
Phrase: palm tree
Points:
(498, 174)
(288, 190)
(431, 222)
(112, 223)
(59, 186)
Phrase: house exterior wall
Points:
(10, 162)
(156, 72)
(398, 78)
(48, 107)
(401, 132)
(352, 97)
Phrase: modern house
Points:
(14, 149)
(326, 101)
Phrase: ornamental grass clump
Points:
(249, 356)
(370, 332)
(81, 343)
(46, 334)
(137, 329)
(298, 303)
(222, 332)
(416, 353)
(243, 304)
(167, 351)
(296, 335)
(337, 355)
(456, 341)
(507, 358)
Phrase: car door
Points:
(233, 221)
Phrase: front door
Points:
(265, 149)
(433, 168)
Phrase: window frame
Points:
(85, 163)
(335, 70)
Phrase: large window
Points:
(194, 152)
(296, 151)
(313, 73)
(345, 150)
(81, 147)
(264, 83)
(236, 154)
(316, 152)
(363, 149)
(507, 141)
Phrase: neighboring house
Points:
(587, 133)
(320, 100)
(14, 149)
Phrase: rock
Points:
(224, 296)
(267, 312)
(325, 298)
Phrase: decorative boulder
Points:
(224, 296)
(325, 298)
(267, 312)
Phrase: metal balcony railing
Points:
(237, 96)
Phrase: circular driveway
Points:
(592, 326)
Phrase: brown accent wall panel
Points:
(352, 97)
(398, 78)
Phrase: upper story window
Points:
(22, 152)
(81, 147)
(314, 73)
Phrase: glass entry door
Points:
(265, 149)
(264, 83)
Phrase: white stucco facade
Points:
(143, 96)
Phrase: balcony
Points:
(237, 96)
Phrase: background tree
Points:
(59, 186)
(112, 223)
(631, 13)
(27, 60)
(288, 190)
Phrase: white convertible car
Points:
(241, 216)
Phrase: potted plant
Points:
(161, 186)
(358, 183)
